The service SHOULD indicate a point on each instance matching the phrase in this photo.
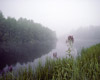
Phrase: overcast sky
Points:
(61, 16)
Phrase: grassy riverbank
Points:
(85, 67)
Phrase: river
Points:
(61, 49)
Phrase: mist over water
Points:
(81, 40)
(61, 48)
(39, 29)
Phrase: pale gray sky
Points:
(61, 16)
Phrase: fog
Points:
(80, 18)
(61, 16)
(90, 38)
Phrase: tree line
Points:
(23, 40)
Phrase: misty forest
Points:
(49, 40)
(23, 40)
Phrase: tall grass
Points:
(85, 67)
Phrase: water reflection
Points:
(61, 48)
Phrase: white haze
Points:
(61, 16)
(61, 49)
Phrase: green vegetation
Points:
(85, 67)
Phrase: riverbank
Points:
(85, 66)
